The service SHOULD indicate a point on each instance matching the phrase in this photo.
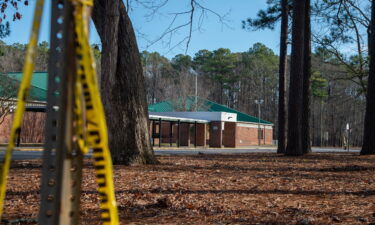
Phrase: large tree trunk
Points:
(282, 74)
(122, 85)
(306, 144)
(369, 130)
(294, 146)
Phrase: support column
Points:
(178, 133)
(215, 134)
(160, 137)
(229, 135)
(170, 133)
(264, 134)
(201, 134)
(195, 134)
(153, 132)
(184, 134)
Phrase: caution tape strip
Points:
(96, 132)
(21, 99)
(80, 133)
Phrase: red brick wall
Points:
(247, 136)
(187, 133)
(184, 134)
(229, 134)
(5, 128)
(269, 136)
(201, 134)
(166, 129)
(207, 134)
(215, 134)
(32, 129)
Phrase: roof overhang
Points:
(176, 119)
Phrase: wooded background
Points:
(237, 79)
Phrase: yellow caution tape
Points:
(80, 133)
(96, 126)
(87, 103)
(22, 96)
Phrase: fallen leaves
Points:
(220, 189)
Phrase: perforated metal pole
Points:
(72, 158)
(52, 163)
(62, 163)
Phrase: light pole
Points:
(348, 133)
(259, 102)
(196, 92)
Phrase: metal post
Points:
(259, 124)
(170, 133)
(264, 134)
(196, 92)
(160, 136)
(153, 133)
(178, 133)
(258, 102)
(195, 133)
(59, 114)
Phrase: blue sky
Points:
(212, 34)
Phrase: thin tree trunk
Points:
(321, 122)
(313, 122)
(306, 145)
(122, 85)
(153, 99)
(369, 130)
(282, 74)
(294, 146)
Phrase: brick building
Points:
(213, 125)
(33, 123)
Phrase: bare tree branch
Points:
(196, 10)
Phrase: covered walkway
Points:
(176, 131)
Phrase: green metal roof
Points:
(38, 89)
(204, 105)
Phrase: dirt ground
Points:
(220, 189)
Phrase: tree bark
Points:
(368, 147)
(294, 146)
(306, 144)
(122, 85)
(282, 80)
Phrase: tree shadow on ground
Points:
(271, 157)
(137, 213)
(218, 166)
(250, 192)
